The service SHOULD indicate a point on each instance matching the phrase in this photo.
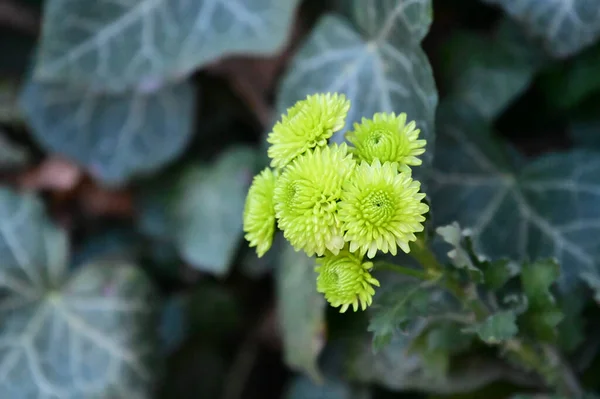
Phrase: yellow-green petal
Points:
(308, 124)
(387, 137)
(345, 280)
(381, 209)
(306, 199)
(259, 212)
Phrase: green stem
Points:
(407, 271)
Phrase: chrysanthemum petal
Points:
(307, 125)
(259, 212)
(387, 137)
(345, 280)
(307, 196)
(381, 209)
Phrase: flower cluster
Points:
(338, 202)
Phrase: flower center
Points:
(377, 207)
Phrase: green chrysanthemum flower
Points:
(259, 212)
(306, 199)
(345, 280)
(381, 209)
(308, 124)
(387, 137)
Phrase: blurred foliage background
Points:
(130, 131)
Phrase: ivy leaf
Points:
(545, 209)
(460, 257)
(111, 45)
(379, 64)
(489, 76)
(89, 334)
(397, 367)
(300, 311)
(498, 327)
(494, 274)
(114, 136)
(564, 27)
(398, 306)
(199, 209)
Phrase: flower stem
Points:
(407, 271)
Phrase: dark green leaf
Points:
(565, 27)
(536, 279)
(546, 209)
(397, 306)
(300, 310)
(199, 208)
(488, 75)
(86, 335)
(109, 45)
(113, 136)
(497, 327)
(398, 368)
(571, 330)
(207, 207)
(380, 65)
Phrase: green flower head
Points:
(345, 280)
(259, 212)
(381, 209)
(387, 137)
(307, 125)
(306, 199)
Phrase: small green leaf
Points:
(571, 330)
(110, 45)
(301, 311)
(459, 256)
(545, 209)
(89, 334)
(497, 327)
(565, 27)
(114, 136)
(378, 63)
(536, 279)
(396, 307)
(205, 211)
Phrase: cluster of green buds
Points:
(339, 202)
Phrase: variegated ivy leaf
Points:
(546, 209)
(377, 62)
(84, 335)
(565, 26)
(115, 136)
(109, 45)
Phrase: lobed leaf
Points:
(85, 335)
(566, 27)
(546, 209)
(377, 63)
(114, 136)
(498, 327)
(112, 45)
